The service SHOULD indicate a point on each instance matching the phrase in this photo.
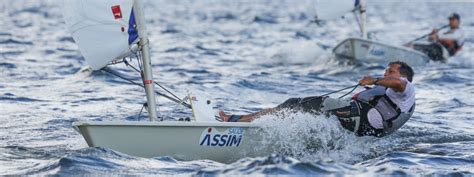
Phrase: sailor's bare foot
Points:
(224, 116)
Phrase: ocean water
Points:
(246, 55)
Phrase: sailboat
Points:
(362, 49)
(106, 32)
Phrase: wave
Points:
(310, 137)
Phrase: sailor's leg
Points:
(419, 47)
(347, 112)
(314, 104)
(332, 104)
(437, 51)
(245, 118)
(291, 104)
(425, 48)
(308, 104)
(434, 51)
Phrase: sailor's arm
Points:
(390, 82)
(455, 35)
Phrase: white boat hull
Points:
(364, 50)
(222, 142)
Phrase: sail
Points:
(104, 30)
(331, 9)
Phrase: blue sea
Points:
(246, 55)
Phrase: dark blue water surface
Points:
(246, 55)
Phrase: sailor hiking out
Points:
(377, 111)
(442, 44)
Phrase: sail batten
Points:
(104, 30)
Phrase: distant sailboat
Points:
(363, 49)
(110, 30)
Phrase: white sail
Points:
(331, 9)
(104, 30)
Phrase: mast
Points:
(363, 30)
(147, 75)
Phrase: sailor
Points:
(443, 44)
(377, 111)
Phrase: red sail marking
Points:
(117, 12)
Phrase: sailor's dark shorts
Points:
(313, 105)
(308, 104)
(434, 51)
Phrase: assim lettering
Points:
(232, 137)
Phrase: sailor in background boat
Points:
(377, 111)
(443, 44)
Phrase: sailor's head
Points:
(454, 20)
(399, 69)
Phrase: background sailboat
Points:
(362, 49)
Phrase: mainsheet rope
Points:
(353, 87)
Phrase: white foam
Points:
(309, 137)
(299, 52)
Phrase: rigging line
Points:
(357, 20)
(140, 113)
(169, 112)
(353, 87)
(160, 94)
(323, 95)
(128, 64)
(139, 56)
(121, 77)
(349, 91)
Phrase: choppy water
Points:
(247, 55)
